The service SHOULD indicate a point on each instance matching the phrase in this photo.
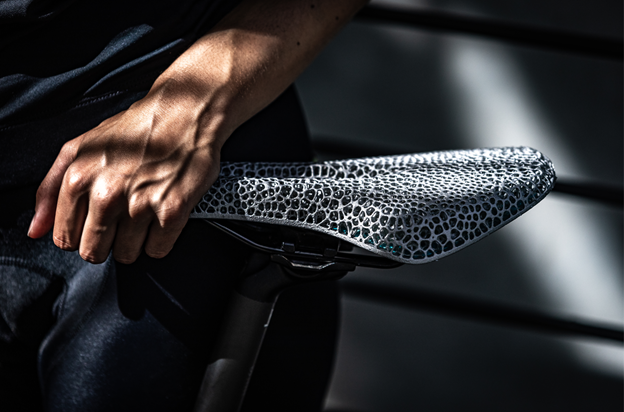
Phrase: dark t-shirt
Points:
(57, 54)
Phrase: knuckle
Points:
(172, 215)
(124, 258)
(76, 181)
(70, 147)
(157, 253)
(91, 257)
(62, 242)
(138, 209)
(167, 220)
(106, 197)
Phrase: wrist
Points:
(197, 111)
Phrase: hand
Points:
(129, 183)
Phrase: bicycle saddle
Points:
(412, 208)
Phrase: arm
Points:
(132, 181)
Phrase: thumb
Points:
(48, 192)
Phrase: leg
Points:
(32, 288)
(142, 344)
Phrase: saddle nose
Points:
(412, 208)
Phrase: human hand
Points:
(131, 182)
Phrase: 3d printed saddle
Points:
(410, 208)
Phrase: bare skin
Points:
(130, 183)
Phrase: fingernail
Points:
(31, 225)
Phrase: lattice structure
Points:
(411, 208)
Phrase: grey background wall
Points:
(388, 87)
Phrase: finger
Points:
(131, 234)
(71, 209)
(106, 202)
(48, 192)
(164, 231)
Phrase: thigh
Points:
(32, 288)
(143, 343)
(27, 297)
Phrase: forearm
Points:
(247, 60)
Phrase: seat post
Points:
(244, 325)
(236, 350)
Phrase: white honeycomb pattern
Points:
(412, 208)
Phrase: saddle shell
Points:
(413, 208)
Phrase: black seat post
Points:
(244, 326)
